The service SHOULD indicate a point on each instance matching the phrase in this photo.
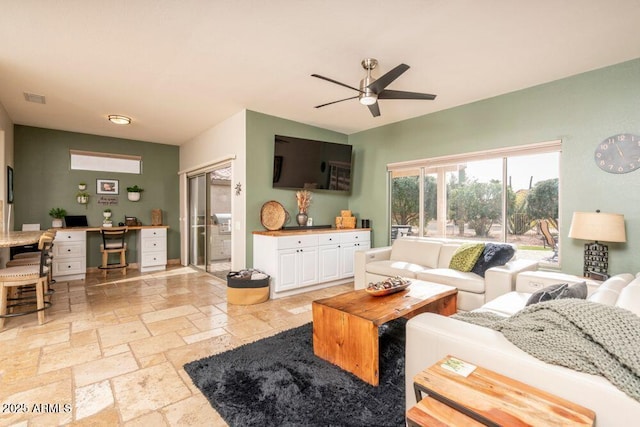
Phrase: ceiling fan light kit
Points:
(372, 89)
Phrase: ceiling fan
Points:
(373, 89)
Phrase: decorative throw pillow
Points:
(559, 291)
(465, 257)
(494, 254)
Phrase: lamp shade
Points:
(598, 226)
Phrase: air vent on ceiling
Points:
(32, 97)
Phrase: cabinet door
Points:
(307, 263)
(287, 274)
(347, 255)
(328, 263)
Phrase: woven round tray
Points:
(273, 215)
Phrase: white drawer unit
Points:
(152, 249)
(70, 255)
(300, 262)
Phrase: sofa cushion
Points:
(559, 291)
(630, 297)
(465, 257)
(446, 253)
(416, 251)
(394, 268)
(493, 255)
(464, 281)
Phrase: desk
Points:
(19, 238)
(70, 250)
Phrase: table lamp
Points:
(599, 227)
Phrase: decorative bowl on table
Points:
(387, 286)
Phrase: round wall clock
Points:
(619, 153)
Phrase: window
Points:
(508, 195)
(105, 162)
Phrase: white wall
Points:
(221, 143)
(6, 159)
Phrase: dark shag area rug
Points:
(278, 381)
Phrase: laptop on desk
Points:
(75, 221)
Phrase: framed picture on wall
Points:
(106, 186)
(9, 184)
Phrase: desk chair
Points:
(113, 243)
(13, 278)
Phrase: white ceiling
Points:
(179, 67)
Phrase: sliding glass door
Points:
(210, 227)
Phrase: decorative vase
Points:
(133, 196)
(56, 223)
(301, 219)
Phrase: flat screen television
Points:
(312, 165)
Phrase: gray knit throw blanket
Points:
(581, 335)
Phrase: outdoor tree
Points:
(542, 201)
(478, 204)
(405, 208)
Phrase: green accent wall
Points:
(261, 128)
(581, 111)
(43, 180)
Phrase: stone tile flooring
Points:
(112, 350)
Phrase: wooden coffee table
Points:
(345, 327)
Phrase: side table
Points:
(484, 397)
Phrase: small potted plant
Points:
(82, 186)
(82, 197)
(133, 193)
(57, 214)
(106, 222)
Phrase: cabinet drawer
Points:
(154, 258)
(355, 236)
(291, 242)
(69, 250)
(328, 238)
(61, 268)
(153, 232)
(154, 244)
(69, 236)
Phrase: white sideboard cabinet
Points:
(300, 261)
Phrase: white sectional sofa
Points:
(431, 337)
(428, 259)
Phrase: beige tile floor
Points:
(112, 350)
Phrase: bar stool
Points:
(113, 243)
(13, 278)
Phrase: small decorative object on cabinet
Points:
(345, 220)
(303, 197)
(133, 193)
(156, 217)
(106, 222)
(57, 214)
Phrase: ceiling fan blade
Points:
(399, 94)
(334, 102)
(375, 109)
(334, 81)
(384, 81)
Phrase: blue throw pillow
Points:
(494, 254)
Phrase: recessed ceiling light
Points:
(119, 120)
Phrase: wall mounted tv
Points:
(312, 165)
